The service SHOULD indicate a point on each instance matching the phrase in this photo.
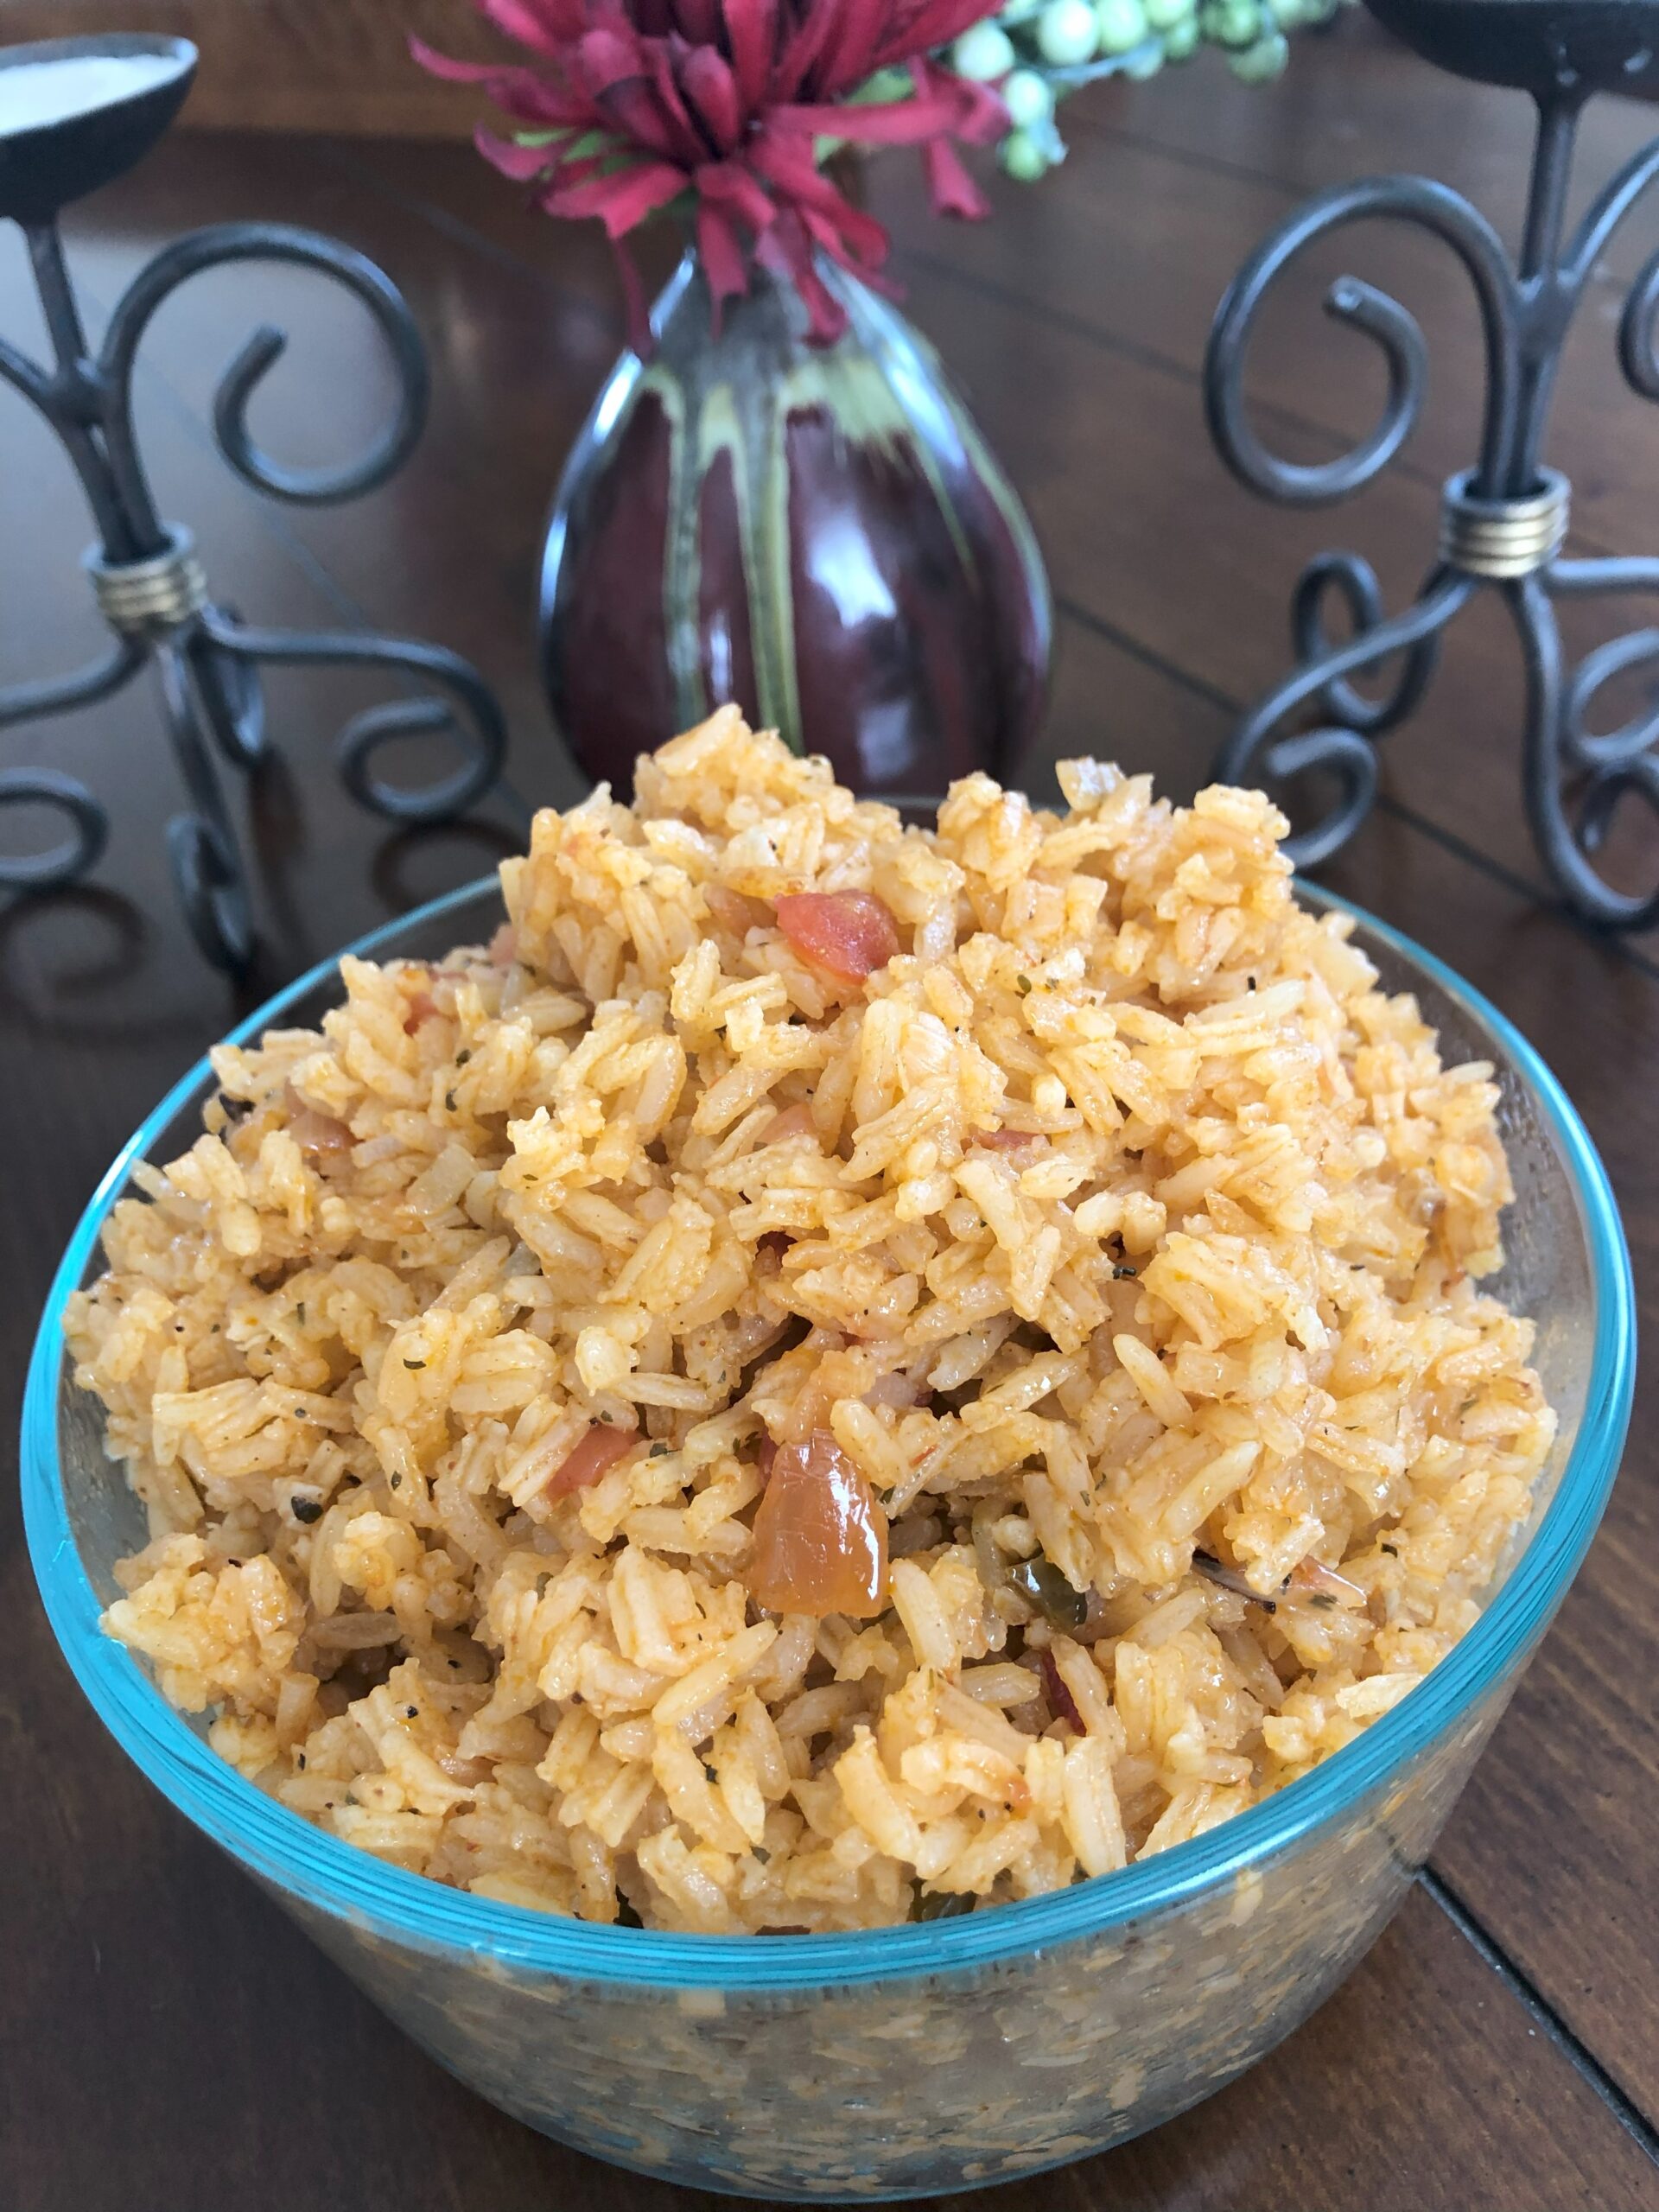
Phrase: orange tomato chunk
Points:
(820, 1535)
(589, 1458)
(848, 933)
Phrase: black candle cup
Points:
(76, 113)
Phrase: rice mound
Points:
(1120, 1232)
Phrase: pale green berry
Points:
(1022, 158)
(1261, 61)
(1146, 62)
(1164, 15)
(982, 54)
(1028, 97)
(1121, 25)
(1065, 33)
(1181, 39)
(1233, 22)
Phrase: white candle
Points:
(33, 94)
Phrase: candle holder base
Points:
(146, 574)
(1504, 521)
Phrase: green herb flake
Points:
(463, 1056)
(396, 1482)
(1393, 1550)
(412, 1713)
(942, 1904)
(1126, 1275)
(1024, 985)
(449, 1102)
(1041, 1581)
(414, 1363)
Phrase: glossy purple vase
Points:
(816, 532)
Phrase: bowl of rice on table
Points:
(843, 1505)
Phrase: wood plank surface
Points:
(1496, 2052)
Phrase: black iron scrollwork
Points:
(1503, 523)
(153, 592)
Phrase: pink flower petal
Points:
(522, 163)
(803, 52)
(786, 250)
(544, 26)
(752, 37)
(686, 142)
(696, 21)
(858, 39)
(724, 264)
(920, 31)
(953, 191)
(606, 56)
(622, 200)
(734, 184)
(444, 64)
(711, 92)
(890, 122)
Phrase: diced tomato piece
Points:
(589, 1458)
(504, 946)
(1005, 1140)
(789, 1122)
(820, 1535)
(1316, 1579)
(313, 1132)
(765, 1456)
(421, 1007)
(735, 912)
(848, 933)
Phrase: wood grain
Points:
(221, 2045)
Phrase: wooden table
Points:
(167, 2040)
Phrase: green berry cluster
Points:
(1036, 51)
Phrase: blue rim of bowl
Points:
(337, 1879)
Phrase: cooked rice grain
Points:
(1120, 1217)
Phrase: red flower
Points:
(628, 104)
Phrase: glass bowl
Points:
(935, 2057)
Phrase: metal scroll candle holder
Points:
(1505, 521)
(74, 114)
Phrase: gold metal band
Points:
(1504, 538)
(141, 597)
